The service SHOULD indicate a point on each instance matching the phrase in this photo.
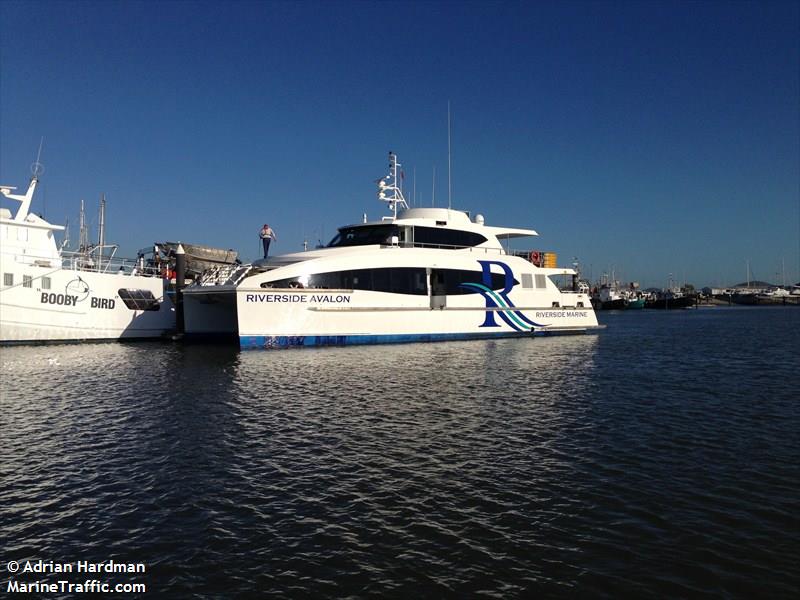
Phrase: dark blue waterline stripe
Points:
(248, 342)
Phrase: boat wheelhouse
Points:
(420, 274)
(49, 294)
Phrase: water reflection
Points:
(460, 439)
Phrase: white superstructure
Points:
(47, 294)
(421, 274)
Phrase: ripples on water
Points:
(658, 458)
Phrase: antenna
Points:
(449, 187)
(415, 186)
(37, 168)
(433, 191)
(24, 200)
(65, 243)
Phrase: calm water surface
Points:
(656, 459)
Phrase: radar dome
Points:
(479, 219)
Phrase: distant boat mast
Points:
(101, 232)
(747, 263)
(83, 233)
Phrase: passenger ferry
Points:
(49, 294)
(419, 274)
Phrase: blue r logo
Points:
(487, 281)
(497, 301)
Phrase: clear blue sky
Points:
(648, 137)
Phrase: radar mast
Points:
(389, 188)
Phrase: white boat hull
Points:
(335, 318)
(47, 297)
(79, 305)
(269, 317)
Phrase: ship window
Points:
(446, 238)
(408, 281)
(27, 281)
(8, 279)
(45, 283)
(527, 280)
(363, 235)
(139, 299)
(366, 235)
(540, 282)
(397, 280)
(454, 278)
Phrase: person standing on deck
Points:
(267, 235)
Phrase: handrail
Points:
(82, 261)
(484, 249)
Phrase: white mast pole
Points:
(83, 235)
(783, 271)
(101, 238)
(747, 263)
(393, 166)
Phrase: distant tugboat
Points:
(633, 296)
(607, 296)
(634, 299)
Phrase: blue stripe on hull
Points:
(248, 342)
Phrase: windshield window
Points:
(365, 235)
(446, 238)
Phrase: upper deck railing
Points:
(93, 260)
(440, 246)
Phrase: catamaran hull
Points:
(64, 305)
(210, 315)
(296, 318)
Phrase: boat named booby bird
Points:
(49, 294)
